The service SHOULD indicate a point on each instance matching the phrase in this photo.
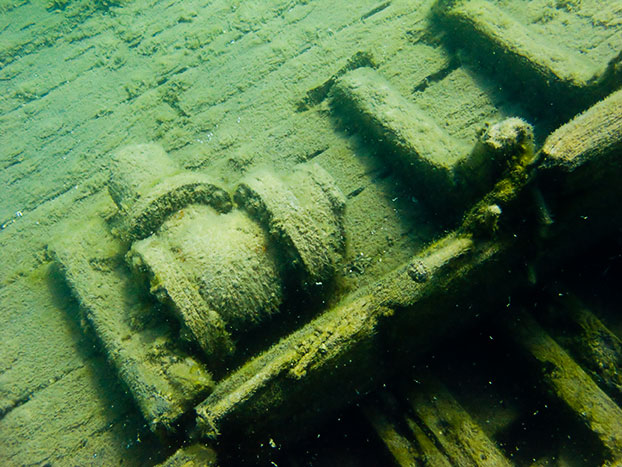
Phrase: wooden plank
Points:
(82, 419)
(579, 331)
(407, 443)
(507, 41)
(164, 380)
(463, 441)
(29, 312)
(401, 449)
(570, 384)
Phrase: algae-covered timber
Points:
(529, 63)
(162, 377)
(460, 437)
(227, 88)
(340, 354)
(571, 384)
(586, 338)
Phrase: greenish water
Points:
(343, 253)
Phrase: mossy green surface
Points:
(517, 42)
(571, 384)
(217, 84)
(224, 87)
(163, 379)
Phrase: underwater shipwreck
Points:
(453, 298)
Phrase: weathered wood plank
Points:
(570, 384)
(83, 418)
